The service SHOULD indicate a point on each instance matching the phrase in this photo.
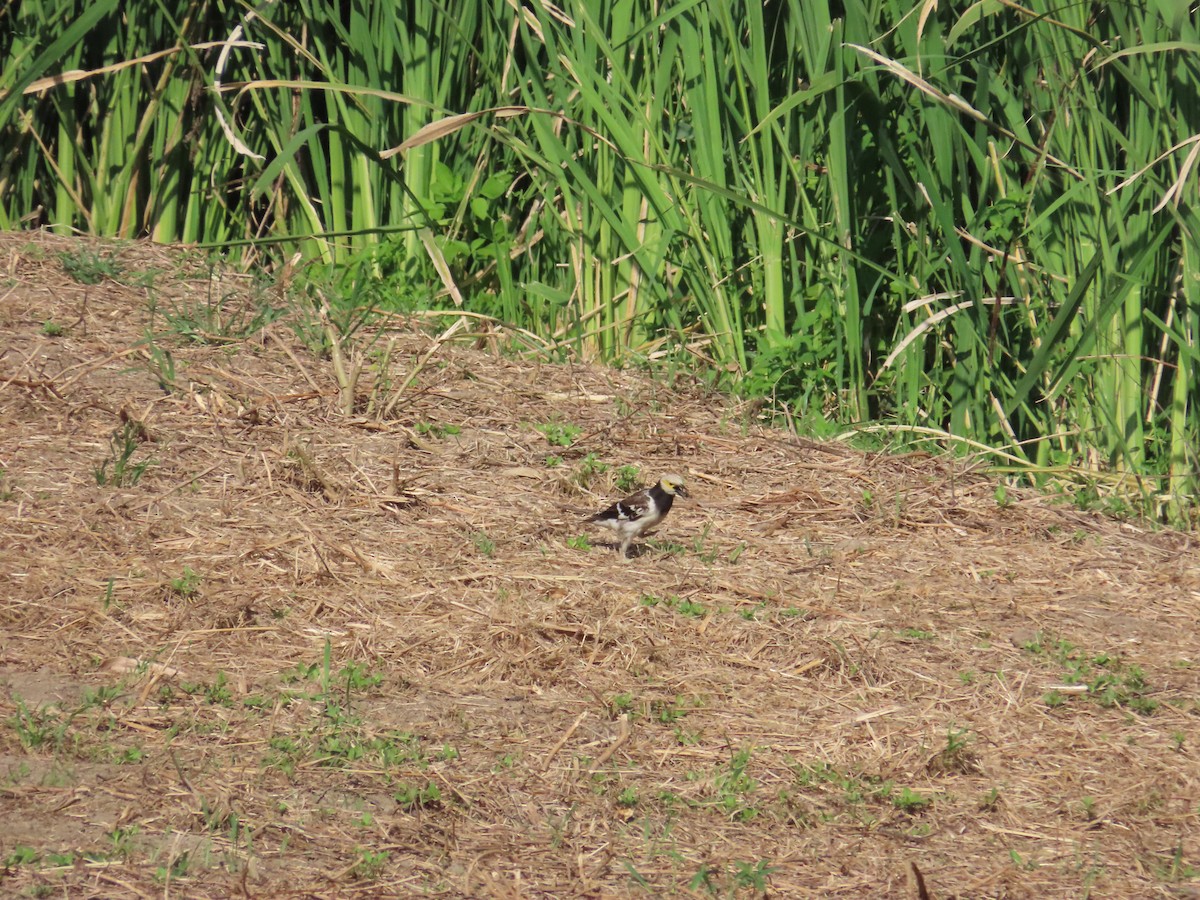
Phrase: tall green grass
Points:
(977, 223)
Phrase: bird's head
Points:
(673, 484)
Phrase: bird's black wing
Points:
(628, 510)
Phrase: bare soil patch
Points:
(298, 653)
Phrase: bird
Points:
(639, 512)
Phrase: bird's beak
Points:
(682, 491)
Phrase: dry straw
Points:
(393, 669)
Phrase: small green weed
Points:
(706, 555)
(689, 608)
(359, 677)
(218, 693)
(219, 319)
(686, 737)
(129, 756)
(370, 864)
(671, 548)
(1176, 869)
(579, 542)
(44, 726)
(1109, 682)
(50, 328)
(118, 470)
(506, 761)
(121, 840)
(558, 434)
(484, 544)
(752, 876)
(857, 792)
(628, 798)
(186, 585)
(173, 872)
(161, 363)
(733, 785)
(285, 753)
(411, 796)
(89, 267)
(669, 712)
(628, 478)
(589, 467)
(99, 698)
(1021, 862)
(107, 600)
(908, 800)
(956, 755)
(437, 430)
(21, 856)
(346, 744)
(621, 703)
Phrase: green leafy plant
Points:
(370, 864)
(628, 478)
(733, 785)
(187, 584)
(223, 315)
(161, 363)
(483, 544)
(411, 796)
(908, 800)
(178, 868)
(21, 856)
(621, 703)
(558, 434)
(43, 726)
(591, 466)
(121, 840)
(689, 608)
(437, 430)
(671, 548)
(89, 266)
(119, 470)
(1106, 679)
(753, 876)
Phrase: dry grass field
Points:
(251, 645)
